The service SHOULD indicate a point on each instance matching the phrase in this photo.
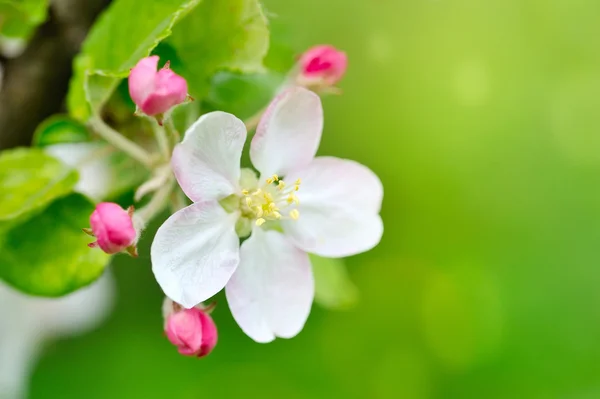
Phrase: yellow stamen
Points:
(277, 215)
(249, 201)
(245, 192)
(260, 221)
(272, 179)
(294, 214)
(281, 185)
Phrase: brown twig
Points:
(36, 82)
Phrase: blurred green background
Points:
(482, 118)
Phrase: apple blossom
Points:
(155, 92)
(193, 331)
(299, 205)
(322, 65)
(113, 228)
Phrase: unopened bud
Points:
(113, 228)
(322, 66)
(155, 92)
(193, 331)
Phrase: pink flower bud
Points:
(155, 92)
(193, 331)
(322, 65)
(113, 228)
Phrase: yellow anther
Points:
(260, 221)
(249, 201)
(273, 207)
(277, 215)
(281, 185)
(257, 192)
(294, 214)
(259, 211)
(296, 187)
(298, 182)
(268, 197)
(293, 198)
(245, 192)
(272, 179)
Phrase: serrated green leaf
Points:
(128, 31)
(220, 34)
(18, 18)
(60, 129)
(47, 255)
(333, 287)
(31, 179)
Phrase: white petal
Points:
(195, 252)
(339, 208)
(207, 161)
(271, 292)
(289, 132)
(95, 174)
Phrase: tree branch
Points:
(36, 82)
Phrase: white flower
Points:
(300, 205)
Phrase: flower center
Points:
(271, 201)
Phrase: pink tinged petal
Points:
(170, 90)
(184, 329)
(271, 293)
(324, 63)
(289, 132)
(207, 161)
(209, 334)
(113, 227)
(195, 252)
(142, 79)
(339, 208)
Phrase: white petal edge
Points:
(27, 322)
(271, 293)
(195, 252)
(339, 208)
(289, 132)
(95, 174)
(207, 161)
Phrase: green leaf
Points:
(220, 34)
(333, 287)
(128, 31)
(48, 255)
(31, 179)
(242, 94)
(60, 129)
(19, 18)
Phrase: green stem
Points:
(119, 141)
(172, 131)
(157, 203)
(161, 139)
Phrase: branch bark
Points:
(36, 82)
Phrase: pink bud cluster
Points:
(192, 331)
(155, 92)
(113, 228)
(322, 66)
